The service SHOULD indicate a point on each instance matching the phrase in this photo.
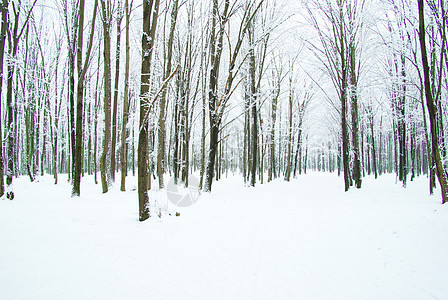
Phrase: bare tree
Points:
(150, 16)
(3, 28)
(162, 104)
(217, 104)
(106, 17)
(330, 21)
(82, 69)
(14, 35)
(290, 125)
(115, 104)
(123, 155)
(432, 109)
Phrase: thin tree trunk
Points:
(57, 111)
(204, 96)
(162, 104)
(253, 98)
(354, 109)
(95, 123)
(375, 171)
(288, 156)
(4, 25)
(115, 104)
(123, 158)
(104, 166)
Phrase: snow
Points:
(304, 239)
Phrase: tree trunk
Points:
(209, 175)
(57, 111)
(375, 171)
(124, 152)
(104, 166)
(354, 109)
(441, 174)
(4, 25)
(95, 123)
(204, 96)
(272, 167)
(149, 33)
(288, 157)
(253, 98)
(13, 45)
(162, 103)
(115, 106)
(80, 96)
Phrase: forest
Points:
(312, 133)
(266, 89)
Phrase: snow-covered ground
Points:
(305, 239)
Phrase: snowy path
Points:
(305, 239)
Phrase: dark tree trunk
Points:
(441, 174)
(95, 122)
(288, 156)
(357, 175)
(402, 160)
(343, 95)
(373, 148)
(80, 96)
(216, 46)
(209, 175)
(253, 98)
(149, 31)
(162, 104)
(124, 134)
(4, 25)
(104, 166)
(272, 167)
(115, 105)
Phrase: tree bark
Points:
(4, 25)
(149, 33)
(124, 152)
(162, 104)
(354, 109)
(13, 45)
(216, 43)
(288, 156)
(95, 122)
(104, 166)
(115, 106)
(441, 174)
(253, 101)
(80, 95)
